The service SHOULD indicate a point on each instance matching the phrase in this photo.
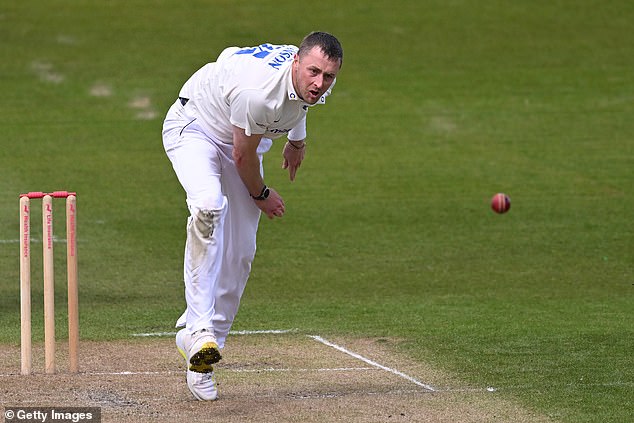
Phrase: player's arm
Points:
(247, 163)
(247, 160)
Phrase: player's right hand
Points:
(273, 206)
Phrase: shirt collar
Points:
(292, 94)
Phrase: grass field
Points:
(388, 232)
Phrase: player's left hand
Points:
(293, 156)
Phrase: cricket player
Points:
(215, 134)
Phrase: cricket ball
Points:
(500, 203)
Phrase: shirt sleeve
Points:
(226, 53)
(249, 112)
(298, 133)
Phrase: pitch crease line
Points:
(372, 363)
(265, 370)
(236, 332)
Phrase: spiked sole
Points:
(202, 361)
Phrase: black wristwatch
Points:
(263, 195)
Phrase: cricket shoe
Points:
(200, 351)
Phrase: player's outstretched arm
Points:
(247, 163)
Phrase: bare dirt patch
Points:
(262, 378)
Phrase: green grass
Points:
(388, 232)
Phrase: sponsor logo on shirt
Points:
(279, 131)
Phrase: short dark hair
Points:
(328, 44)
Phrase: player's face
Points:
(313, 74)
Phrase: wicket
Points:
(49, 280)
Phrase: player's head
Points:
(316, 65)
(326, 42)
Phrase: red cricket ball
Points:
(500, 203)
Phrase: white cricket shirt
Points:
(250, 88)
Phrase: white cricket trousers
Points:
(221, 228)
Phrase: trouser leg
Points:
(240, 229)
(196, 162)
(204, 250)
